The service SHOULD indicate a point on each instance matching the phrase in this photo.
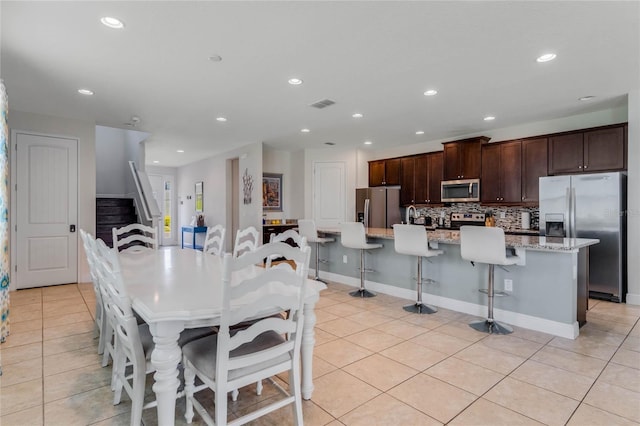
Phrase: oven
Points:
(463, 219)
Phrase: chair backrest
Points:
(282, 237)
(90, 249)
(135, 237)
(307, 228)
(352, 234)
(247, 240)
(256, 296)
(483, 244)
(410, 239)
(214, 240)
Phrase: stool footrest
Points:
(495, 293)
(419, 308)
(323, 261)
(367, 270)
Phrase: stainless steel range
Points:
(462, 219)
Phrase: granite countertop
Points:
(529, 242)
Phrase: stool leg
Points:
(418, 307)
(317, 277)
(489, 325)
(362, 292)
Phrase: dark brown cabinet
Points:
(463, 159)
(384, 172)
(501, 174)
(534, 166)
(267, 230)
(595, 150)
(421, 177)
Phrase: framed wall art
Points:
(272, 192)
(199, 197)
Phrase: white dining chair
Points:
(214, 240)
(247, 240)
(308, 229)
(283, 237)
(135, 237)
(353, 235)
(133, 342)
(88, 243)
(268, 347)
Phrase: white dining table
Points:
(173, 289)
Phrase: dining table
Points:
(173, 289)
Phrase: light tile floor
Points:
(374, 364)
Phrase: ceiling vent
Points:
(323, 103)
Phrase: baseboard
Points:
(569, 331)
(633, 299)
(113, 196)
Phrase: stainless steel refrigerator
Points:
(591, 206)
(378, 207)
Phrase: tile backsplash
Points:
(511, 220)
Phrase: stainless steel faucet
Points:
(407, 216)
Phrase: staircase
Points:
(113, 212)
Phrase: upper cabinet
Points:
(534, 166)
(421, 177)
(595, 150)
(501, 175)
(384, 172)
(463, 159)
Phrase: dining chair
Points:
(88, 243)
(268, 347)
(133, 341)
(135, 237)
(284, 237)
(214, 240)
(247, 240)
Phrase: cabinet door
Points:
(392, 172)
(490, 180)
(470, 160)
(434, 173)
(407, 181)
(376, 173)
(565, 153)
(534, 166)
(451, 161)
(421, 179)
(604, 149)
(511, 172)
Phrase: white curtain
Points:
(4, 214)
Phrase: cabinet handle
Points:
(586, 166)
(579, 167)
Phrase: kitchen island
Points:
(550, 283)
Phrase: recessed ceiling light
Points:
(111, 22)
(586, 98)
(85, 92)
(420, 132)
(305, 130)
(295, 81)
(489, 118)
(155, 161)
(368, 142)
(357, 115)
(215, 58)
(546, 57)
(180, 151)
(221, 119)
(431, 92)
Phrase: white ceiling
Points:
(376, 58)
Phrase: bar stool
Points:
(353, 236)
(486, 245)
(307, 228)
(412, 240)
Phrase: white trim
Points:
(113, 196)
(633, 299)
(569, 331)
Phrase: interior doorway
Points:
(163, 187)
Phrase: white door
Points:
(46, 210)
(162, 187)
(329, 193)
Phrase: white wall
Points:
(214, 175)
(275, 161)
(85, 132)
(633, 201)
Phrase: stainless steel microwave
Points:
(459, 191)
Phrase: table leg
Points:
(165, 359)
(308, 342)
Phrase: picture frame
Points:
(272, 192)
(199, 197)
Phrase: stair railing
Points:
(146, 205)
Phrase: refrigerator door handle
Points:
(567, 213)
(366, 213)
(572, 225)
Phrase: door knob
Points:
(72, 228)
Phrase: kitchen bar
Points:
(549, 294)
